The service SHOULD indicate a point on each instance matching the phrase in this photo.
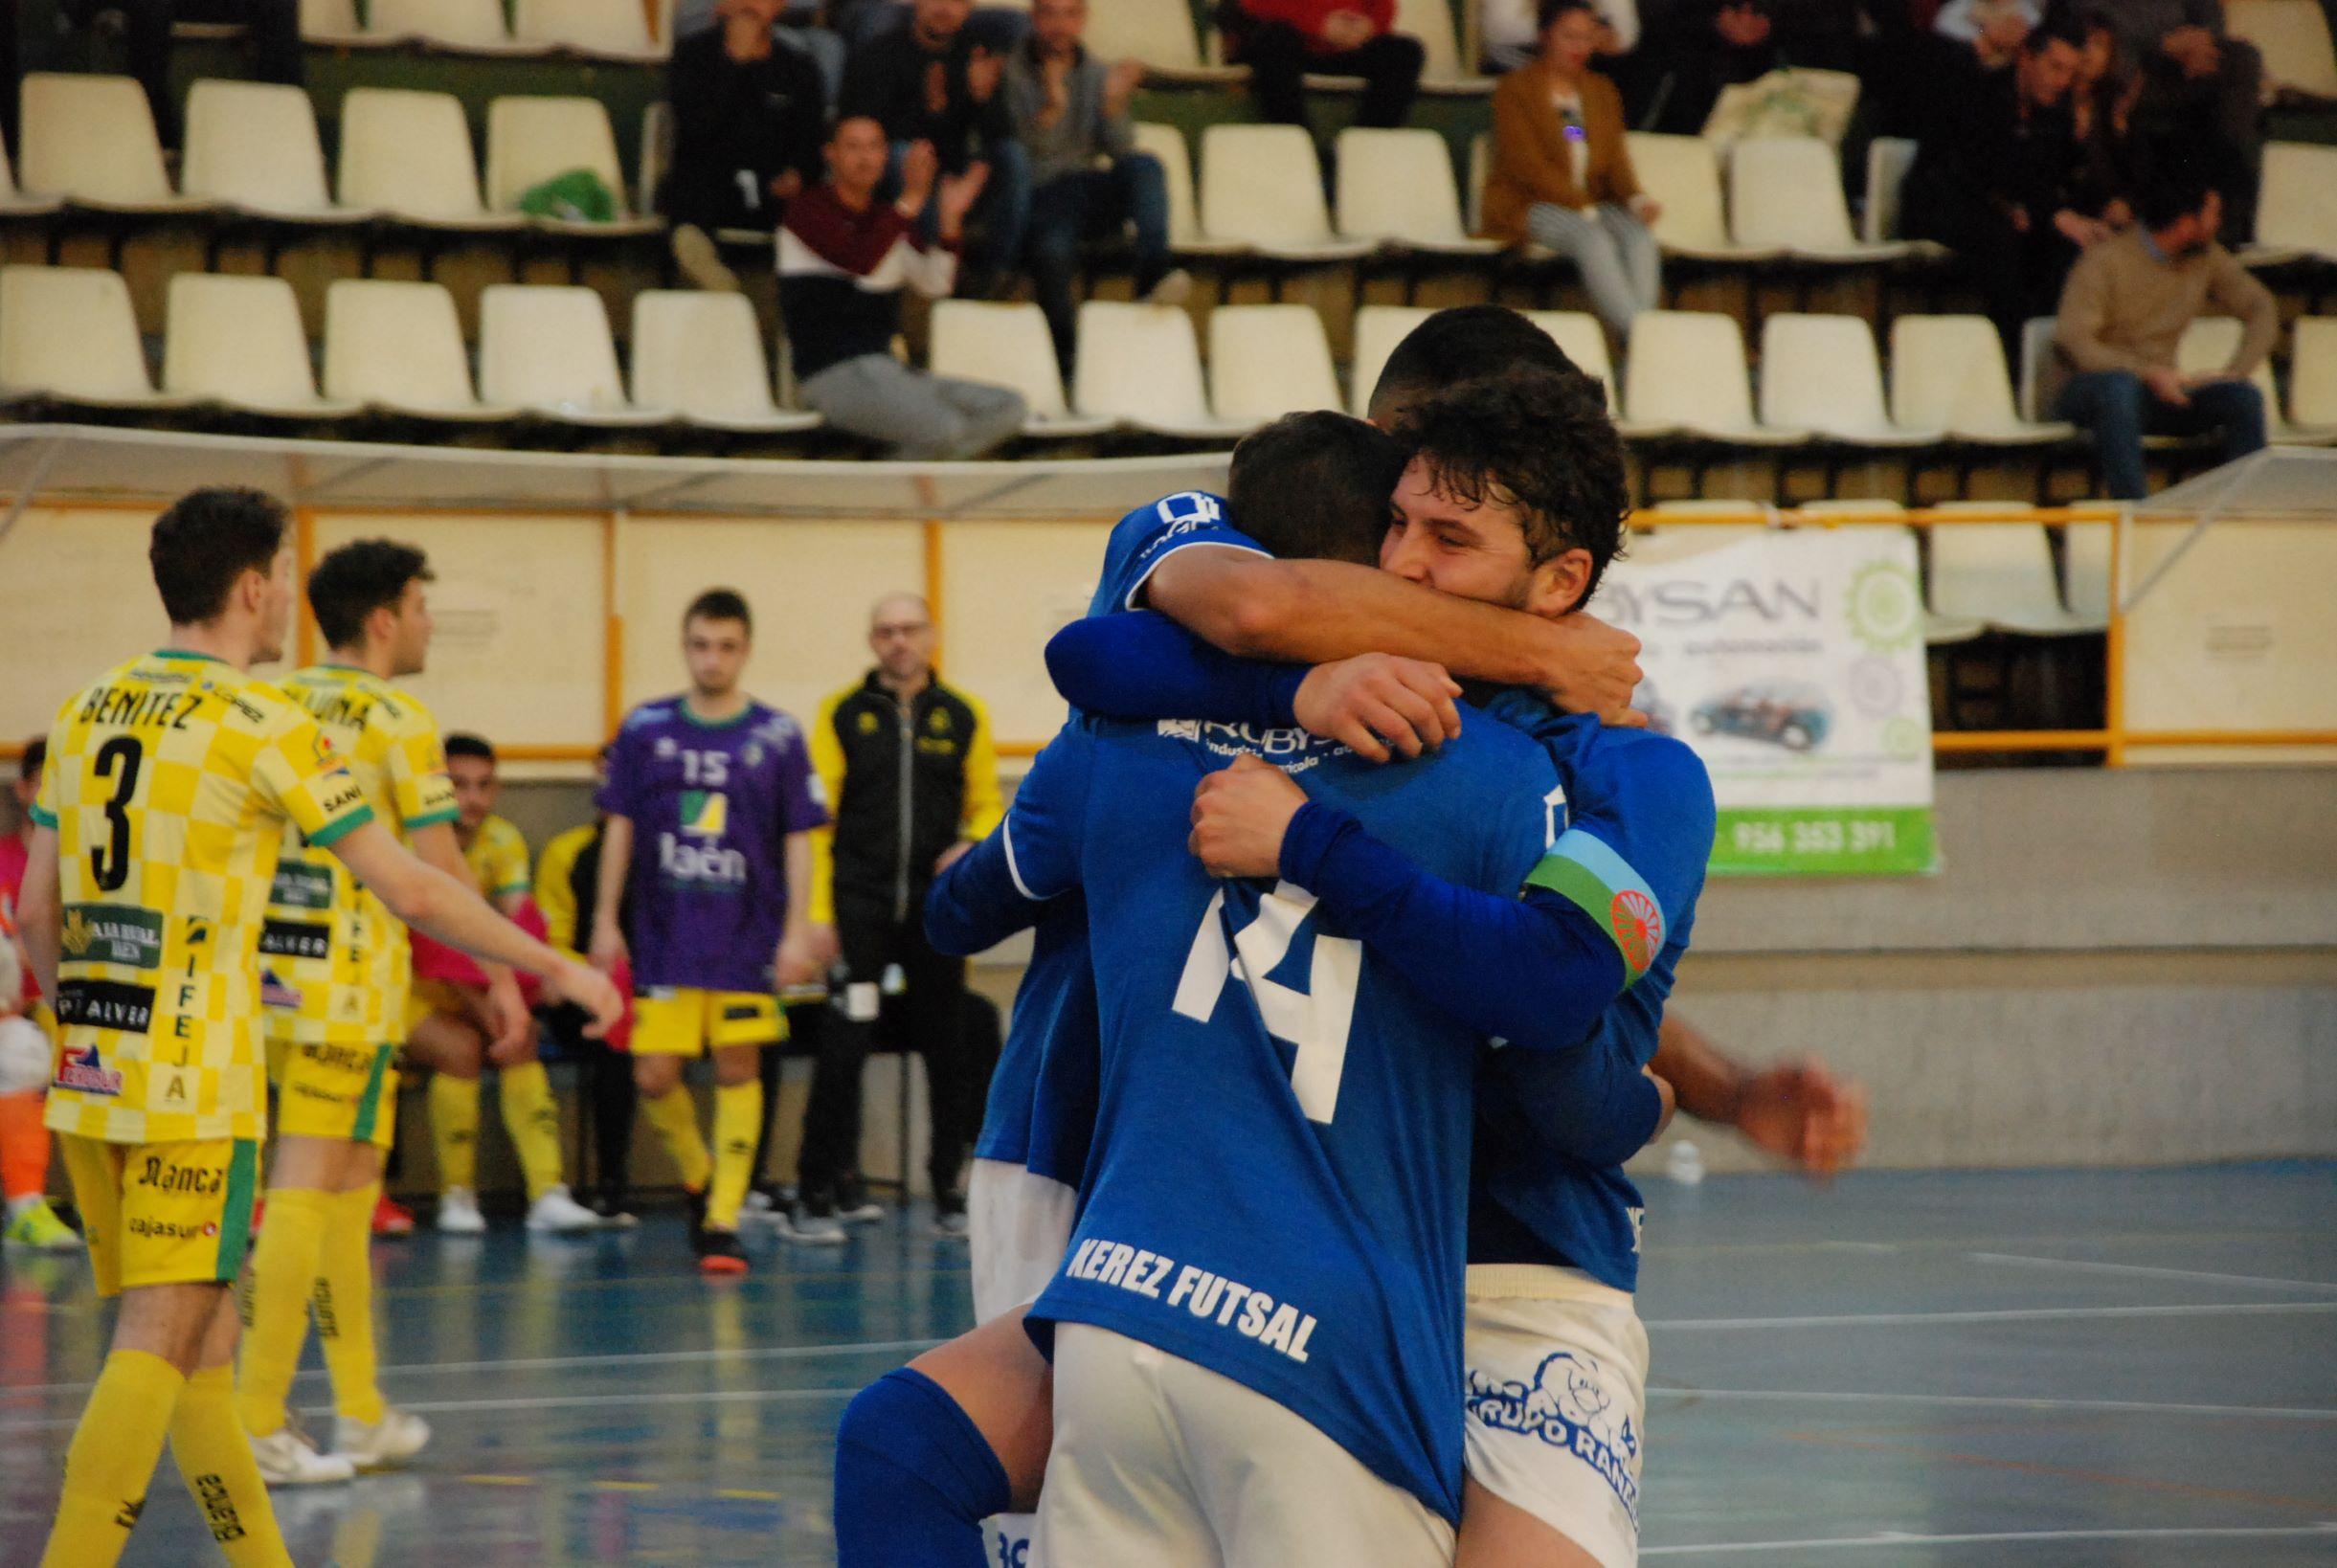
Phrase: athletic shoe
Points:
(459, 1212)
(37, 1226)
(693, 1206)
(814, 1224)
(390, 1217)
(288, 1459)
(1175, 289)
(950, 1215)
(855, 1207)
(694, 252)
(557, 1211)
(613, 1213)
(719, 1253)
(368, 1446)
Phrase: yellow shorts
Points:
(338, 1091)
(164, 1213)
(427, 996)
(688, 1022)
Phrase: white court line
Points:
(2004, 1314)
(2146, 1271)
(614, 1403)
(555, 1363)
(1999, 1402)
(2010, 1538)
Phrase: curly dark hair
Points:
(1540, 442)
(202, 547)
(360, 578)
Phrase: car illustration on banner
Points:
(1786, 713)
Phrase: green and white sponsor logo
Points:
(302, 886)
(1825, 840)
(1886, 608)
(114, 934)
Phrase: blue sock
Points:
(914, 1478)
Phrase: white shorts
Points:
(1159, 1463)
(1556, 1402)
(1018, 1225)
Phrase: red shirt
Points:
(1309, 16)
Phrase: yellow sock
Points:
(738, 1116)
(532, 1117)
(454, 1130)
(283, 1262)
(215, 1459)
(676, 1119)
(344, 1302)
(112, 1458)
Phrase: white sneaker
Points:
(557, 1211)
(287, 1459)
(801, 1225)
(1173, 289)
(867, 1212)
(368, 1446)
(459, 1212)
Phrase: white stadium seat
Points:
(1008, 346)
(2296, 212)
(1141, 364)
(602, 29)
(1949, 371)
(1268, 360)
(701, 354)
(91, 140)
(1683, 173)
(2207, 345)
(548, 351)
(1160, 33)
(253, 147)
(2312, 375)
(1786, 192)
(468, 27)
(531, 140)
(398, 347)
(15, 201)
(2293, 35)
(1821, 373)
(68, 334)
(1443, 69)
(1167, 144)
(1585, 341)
(239, 341)
(1396, 187)
(1687, 373)
(1262, 187)
(410, 155)
(2000, 574)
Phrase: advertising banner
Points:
(1792, 660)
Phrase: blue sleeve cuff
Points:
(1307, 843)
(1279, 693)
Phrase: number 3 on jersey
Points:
(1315, 1022)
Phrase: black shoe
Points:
(719, 1253)
(613, 1210)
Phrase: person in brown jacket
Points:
(2123, 311)
(1561, 174)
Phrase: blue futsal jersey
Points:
(1635, 820)
(1278, 1187)
(1042, 1104)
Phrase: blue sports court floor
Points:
(2023, 1368)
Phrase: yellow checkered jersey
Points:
(168, 785)
(498, 857)
(334, 962)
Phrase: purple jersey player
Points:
(710, 804)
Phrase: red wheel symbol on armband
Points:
(1638, 926)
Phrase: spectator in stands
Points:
(2102, 104)
(1282, 41)
(931, 82)
(1993, 30)
(1561, 171)
(1070, 114)
(271, 27)
(844, 256)
(1508, 36)
(749, 114)
(2199, 87)
(2123, 314)
(802, 23)
(995, 28)
(2003, 192)
(1712, 44)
